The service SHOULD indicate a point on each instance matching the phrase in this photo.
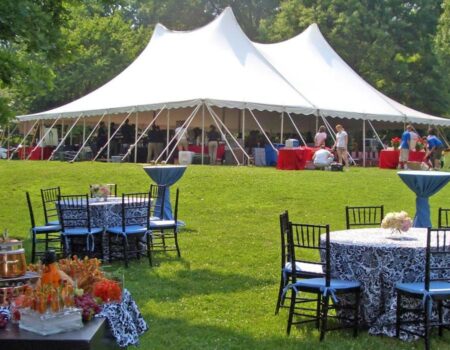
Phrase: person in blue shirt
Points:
(404, 147)
(435, 148)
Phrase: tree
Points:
(442, 49)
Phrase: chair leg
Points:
(109, 248)
(324, 316)
(33, 249)
(280, 292)
(175, 235)
(163, 240)
(136, 245)
(319, 300)
(149, 251)
(398, 319)
(291, 311)
(441, 327)
(356, 314)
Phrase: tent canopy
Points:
(218, 65)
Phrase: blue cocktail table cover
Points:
(424, 184)
(166, 175)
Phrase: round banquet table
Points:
(370, 256)
(166, 175)
(294, 158)
(424, 184)
(389, 158)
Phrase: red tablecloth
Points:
(294, 158)
(36, 155)
(198, 149)
(389, 158)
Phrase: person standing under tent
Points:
(320, 137)
(213, 144)
(341, 144)
(435, 148)
(181, 135)
(155, 143)
(102, 137)
(127, 135)
(414, 137)
(404, 148)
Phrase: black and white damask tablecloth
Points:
(372, 257)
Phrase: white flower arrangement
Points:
(397, 221)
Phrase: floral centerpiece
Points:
(398, 222)
(420, 144)
(395, 142)
(100, 191)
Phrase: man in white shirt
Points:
(322, 158)
(341, 144)
(413, 139)
(181, 135)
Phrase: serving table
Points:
(424, 184)
(294, 158)
(374, 258)
(94, 335)
(389, 158)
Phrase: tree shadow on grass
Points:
(193, 282)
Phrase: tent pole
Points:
(228, 131)
(62, 128)
(185, 125)
(167, 132)
(296, 129)
(364, 142)
(84, 129)
(317, 123)
(442, 135)
(243, 132)
(376, 134)
(23, 140)
(203, 131)
(223, 135)
(87, 139)
(282, 127)
(136, 136)
(40, 135)
(64, 138)
(153, 121)
(111, 137)
(42, 139)
(262, 129)
(9, 132)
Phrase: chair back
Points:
(284, 223)
(364, 216)
(444, 218)
(74, 211)
(437, 257)
(136, 209)
(305, 246)
(158, 197)
(30, 210)
(112, 188)
(49, 197)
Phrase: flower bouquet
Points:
(395, 142)
(398, 222)
(420, 144)
(100, 191)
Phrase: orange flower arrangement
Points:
(107, 290)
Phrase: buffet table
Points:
(94, 335)
(294, 158)
(36, 155)
(198, 149)
(389, 158)
(374, 258)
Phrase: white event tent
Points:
(218, 66)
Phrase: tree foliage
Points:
(54, 51)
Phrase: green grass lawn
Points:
(221, 294)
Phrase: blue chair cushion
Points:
(56, 222)
(80, 231)
(47, 229)
(162, 224)
(436, 288)
(304, 267)
(319, 284)
(129, 230)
